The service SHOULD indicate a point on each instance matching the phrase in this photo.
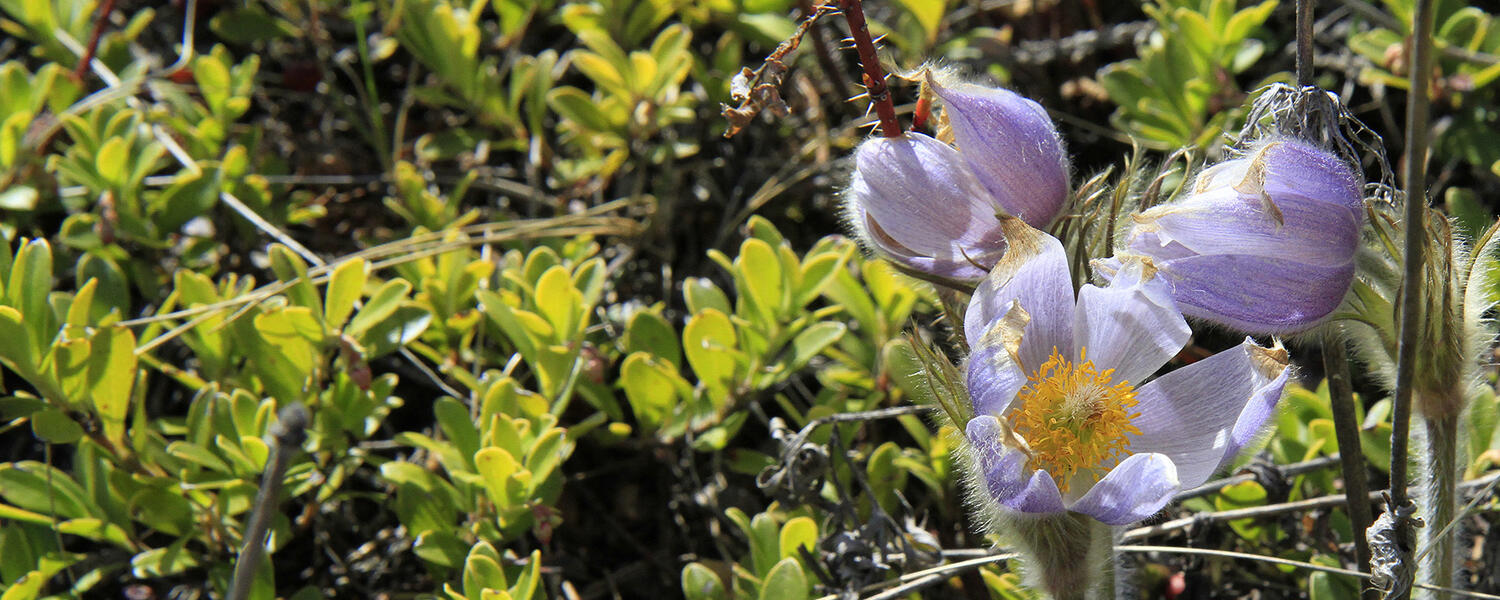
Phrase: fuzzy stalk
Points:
(1415, 187)
(1440, 505)
(1351, 454)
(1070, 556)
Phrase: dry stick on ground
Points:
(1411, 294)
(285, 439)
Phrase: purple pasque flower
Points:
(931, 209)
(1263, 244)
(1063, 418)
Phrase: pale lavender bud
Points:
(1263, 244)
(933, 209)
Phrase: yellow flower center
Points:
(1073, 419)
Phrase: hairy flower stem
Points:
(1415, 187)
(1346, 431)
(1304, 43)
(874, 78)
(1068, 555)
(1440, 504)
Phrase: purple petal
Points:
(1203, 414)
(972, 268)
(1136, 488)
(923, 198)
(1011, 145)
(1033, 272)
(1004, 471)
(993, 378)
(1294, 167)
(1255, 293)
(1131, 326)
(1224, 221)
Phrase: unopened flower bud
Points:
(1262, 244)
(933, 210)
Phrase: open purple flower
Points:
(1061, 420)
(931, 209)
(1263, 244)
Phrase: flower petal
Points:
(1011, 145)
(1136, 488)
(1131, 326)
(1033, 272)
(993, 375)
(1203, 414)
(1004, 471)
(1256, 293)
(971, 268)
(1296, 167)
(924, 198)
(1224, 221)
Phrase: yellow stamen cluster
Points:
(1073, 419)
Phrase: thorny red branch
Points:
(874, 78)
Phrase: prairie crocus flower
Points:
(1063, 418)
(932, 209)
(1262, 244)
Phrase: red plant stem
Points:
(100, 21)
(874, 78)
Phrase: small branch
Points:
(758, 89)
(1290, 470)
(1292, 563)
(1346, 431)
(1277, 509)
(286, 436)
(874, 79)
(100, 21)
(1411, 294)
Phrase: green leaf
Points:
(344, 289)
(785, 582)
(650, 387)
(292, 271)
(649, 332)
(573, 104)
(929, 15)
(30, 282)
(112, 372)
(54, 426)
(110, 163)
(380, 305)
(560, 303)
(709, 341)
(701, 294)
(1465, 207)
(498, 471)
(15, 343)
(249, 24)
(295, 334)
(453, 417)
(760, 269)
(702, 583)
(811, 341)
(801, 531)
